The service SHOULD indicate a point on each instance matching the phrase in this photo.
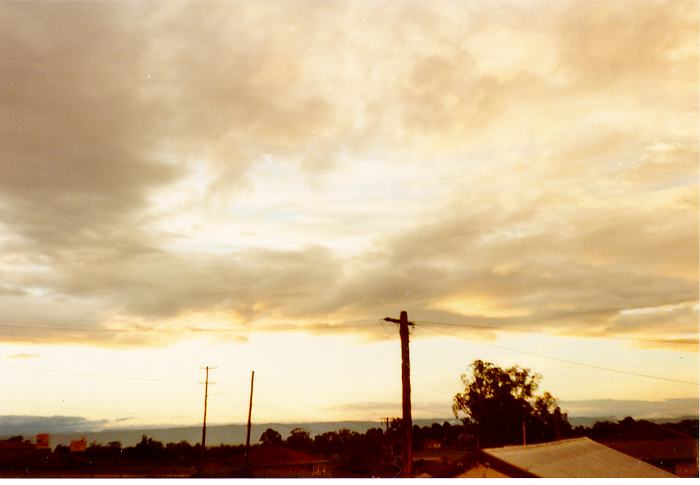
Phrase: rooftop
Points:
(578, 457)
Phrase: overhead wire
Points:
(383, 325)
(568, 361)
(142, 329)
(99, 376)
(113, 330)
(502, 327)
(439, 372)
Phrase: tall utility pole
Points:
(407, 421)
(247, 435)
(206, 396)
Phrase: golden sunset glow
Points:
(256, 185)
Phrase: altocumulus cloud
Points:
(547, 167)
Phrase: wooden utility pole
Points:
(407, 421)
(206, 396)
(247, 435)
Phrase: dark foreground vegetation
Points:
(439, 450)
(498, 407)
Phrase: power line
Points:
(99, 376)
(114, 330)
(501, 327)
(439, 373)
(679, 341)
(310, 326)
(582, 364)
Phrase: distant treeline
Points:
(373, 453)
(628, 429)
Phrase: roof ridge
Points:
(540, 445)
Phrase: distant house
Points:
(572, 458)
(78, 446)
(43, 441)
(678, 456)
(274, 461)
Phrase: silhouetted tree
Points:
(148, 448)
(182, 452)
(299, 439)
(270, 437)
(629, 429)
(687, 427)
(547, 422)
(324, 443)
(115, 445)
(496, 402)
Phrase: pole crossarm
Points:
(396, 320)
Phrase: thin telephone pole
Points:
(247, 435)
(206, 396)
(407, 422)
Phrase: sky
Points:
(256, 185)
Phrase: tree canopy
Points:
(497, 404)
(299, 439)
(271, 437)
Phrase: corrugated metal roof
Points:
(575, 458)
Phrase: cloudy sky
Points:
(255, 185)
